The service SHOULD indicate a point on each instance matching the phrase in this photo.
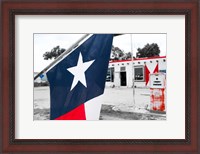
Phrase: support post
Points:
(133, 80)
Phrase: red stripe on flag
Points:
(76, 114)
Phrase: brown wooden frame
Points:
(10, 8)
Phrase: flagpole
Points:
(61, 56)
(133, 80)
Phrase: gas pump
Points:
(157, 92)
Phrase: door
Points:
(123, 78)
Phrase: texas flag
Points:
(79, 79)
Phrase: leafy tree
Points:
(54, 53)
(116, 53)
(128, 55)
(149, 50)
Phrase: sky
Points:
(45, 42)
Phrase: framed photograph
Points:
(115, 76)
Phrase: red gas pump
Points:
(157, 91)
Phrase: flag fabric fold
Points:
(79, 77)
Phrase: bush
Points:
(41, 84)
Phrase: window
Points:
(122, 69)
(162, 71)
(139, 73)
(110, 75)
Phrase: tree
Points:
(116, 53)
(128, 55)
(54, 53)
(149, 50)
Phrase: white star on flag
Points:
(79, 71)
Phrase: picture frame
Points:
(47, 7)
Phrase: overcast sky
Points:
(45, 42)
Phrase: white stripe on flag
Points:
(93, 108)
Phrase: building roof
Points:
(137, 59)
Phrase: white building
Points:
(120, 72)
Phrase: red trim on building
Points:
(147, 72)
(136, 59)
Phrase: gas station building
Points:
(124, 72)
